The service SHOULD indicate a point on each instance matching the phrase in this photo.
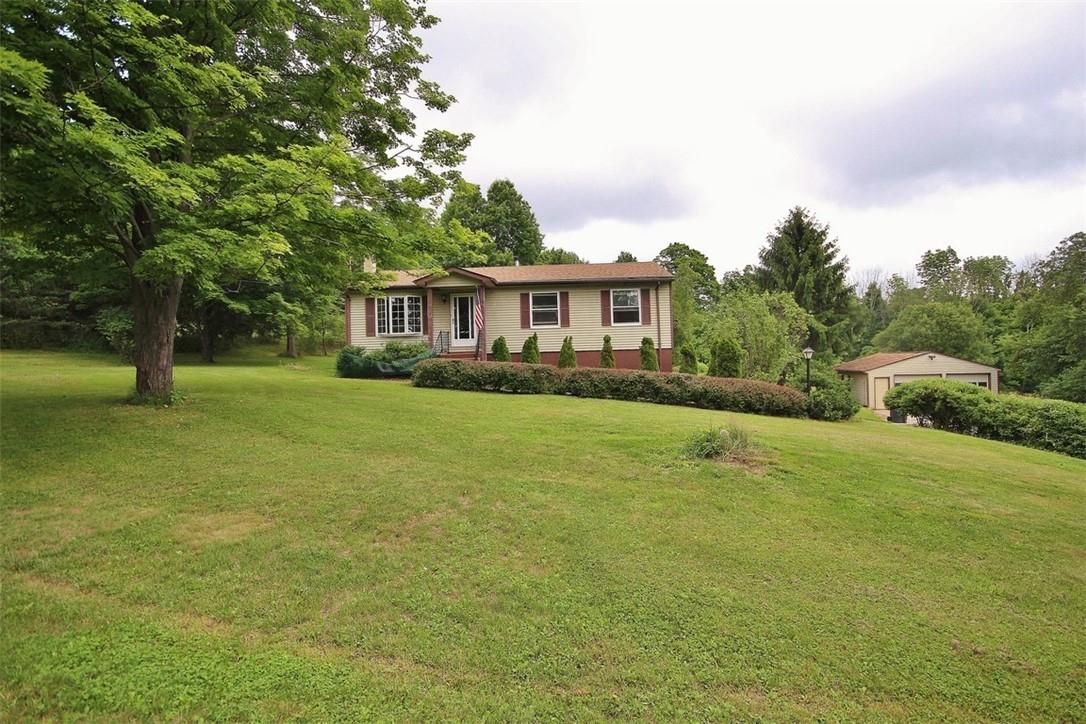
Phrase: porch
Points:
(453, 322)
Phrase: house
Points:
(873, 375)
(462, 310)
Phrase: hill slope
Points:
(291, 544)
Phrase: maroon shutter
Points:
(525, 311)
(371, 317)
(347, 318)
(425, 321)
(563, 308)
(646, 308)
(605, 307)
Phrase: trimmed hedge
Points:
(959, 407)
(712, 393)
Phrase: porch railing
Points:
(441, 344)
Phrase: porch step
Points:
(457, 355)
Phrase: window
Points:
(544, 309)
(399, 315)
(980, 384)
(625, 306)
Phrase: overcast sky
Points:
(905, 128)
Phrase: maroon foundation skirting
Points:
(626, 359)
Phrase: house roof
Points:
(638, 271)
(874, 361)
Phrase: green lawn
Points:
(288, 544)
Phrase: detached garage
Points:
(872, 376)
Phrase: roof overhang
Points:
(459, 271)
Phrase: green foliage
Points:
(649, 359)
(726, 358)
(529, 351)
(1070, 384)
(831, 403)
(567, 356)
(115, 324)
(951, 328)
(607, 353)
(507, 219)
(703, 285)
(770, 328)
(500, 350)
(688, 359)
(800, 259)
(959, 407)
(635, 385)
(355, 362)
(728, 444)
(940, 273)
(559, 256)
(685, 310)
(625, 257)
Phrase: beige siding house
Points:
(462, 310)
(872, 376)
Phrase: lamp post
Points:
(807, 354)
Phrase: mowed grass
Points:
(288, 544)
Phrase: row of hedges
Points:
(712, 393)
(959, 407)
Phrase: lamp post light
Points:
(807, 354)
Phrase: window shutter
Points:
(525, 311)
(563, 308)
(371, 317)
(605, 307)
(425, 321)
(646, 308)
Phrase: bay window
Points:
(399, 315)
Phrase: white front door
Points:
(463, 318)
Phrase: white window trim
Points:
(531, 309)
(388, 315)
(626, 324)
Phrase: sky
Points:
(905, 128)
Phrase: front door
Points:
(882, 386)
(463, 318)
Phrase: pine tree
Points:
(511, 223)
(727, 358)
(500, 350)
(688, 360)
(801, 259)
(649, 359)
(625, 257)
(567, 357)
(529, 353)
(607, 354)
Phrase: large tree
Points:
(940, 273)
(624, 257)
(196, 142)
(951, 328)
(799, 258)
(706, 288)
(511, 222)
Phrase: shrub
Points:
(356, 362)
(1067, 385)
(730, 443)
(959, 407)
(688, 359)
(649, 360)
(635, 385)
(395, 350)
(607, 354)
(500, 350)
(831, 403)
(567, 356)
(529, 353)
(115, 324)
(726, 358)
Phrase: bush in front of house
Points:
(567, 356)
(649, 360)
(355, 362)
(500, 350)
(960, 407)
(607, 354)
(529, 352)
(634, 385)
(726, 357)
(688, 358)
(831, 403)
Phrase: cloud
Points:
(1017, 112)
(568, 204)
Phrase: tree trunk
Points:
(154, 310)
(207, 334)
(292, 345)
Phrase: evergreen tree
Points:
(688, 360)
(511, 223)
(607, 354)
(649, 359)
(500, 350)
(799, 258)
(567, 357)
(625, 257)
(529, 352)
(727, 358)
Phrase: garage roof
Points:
(874, 361)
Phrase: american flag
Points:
(478, 309)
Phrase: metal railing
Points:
(441, 344)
